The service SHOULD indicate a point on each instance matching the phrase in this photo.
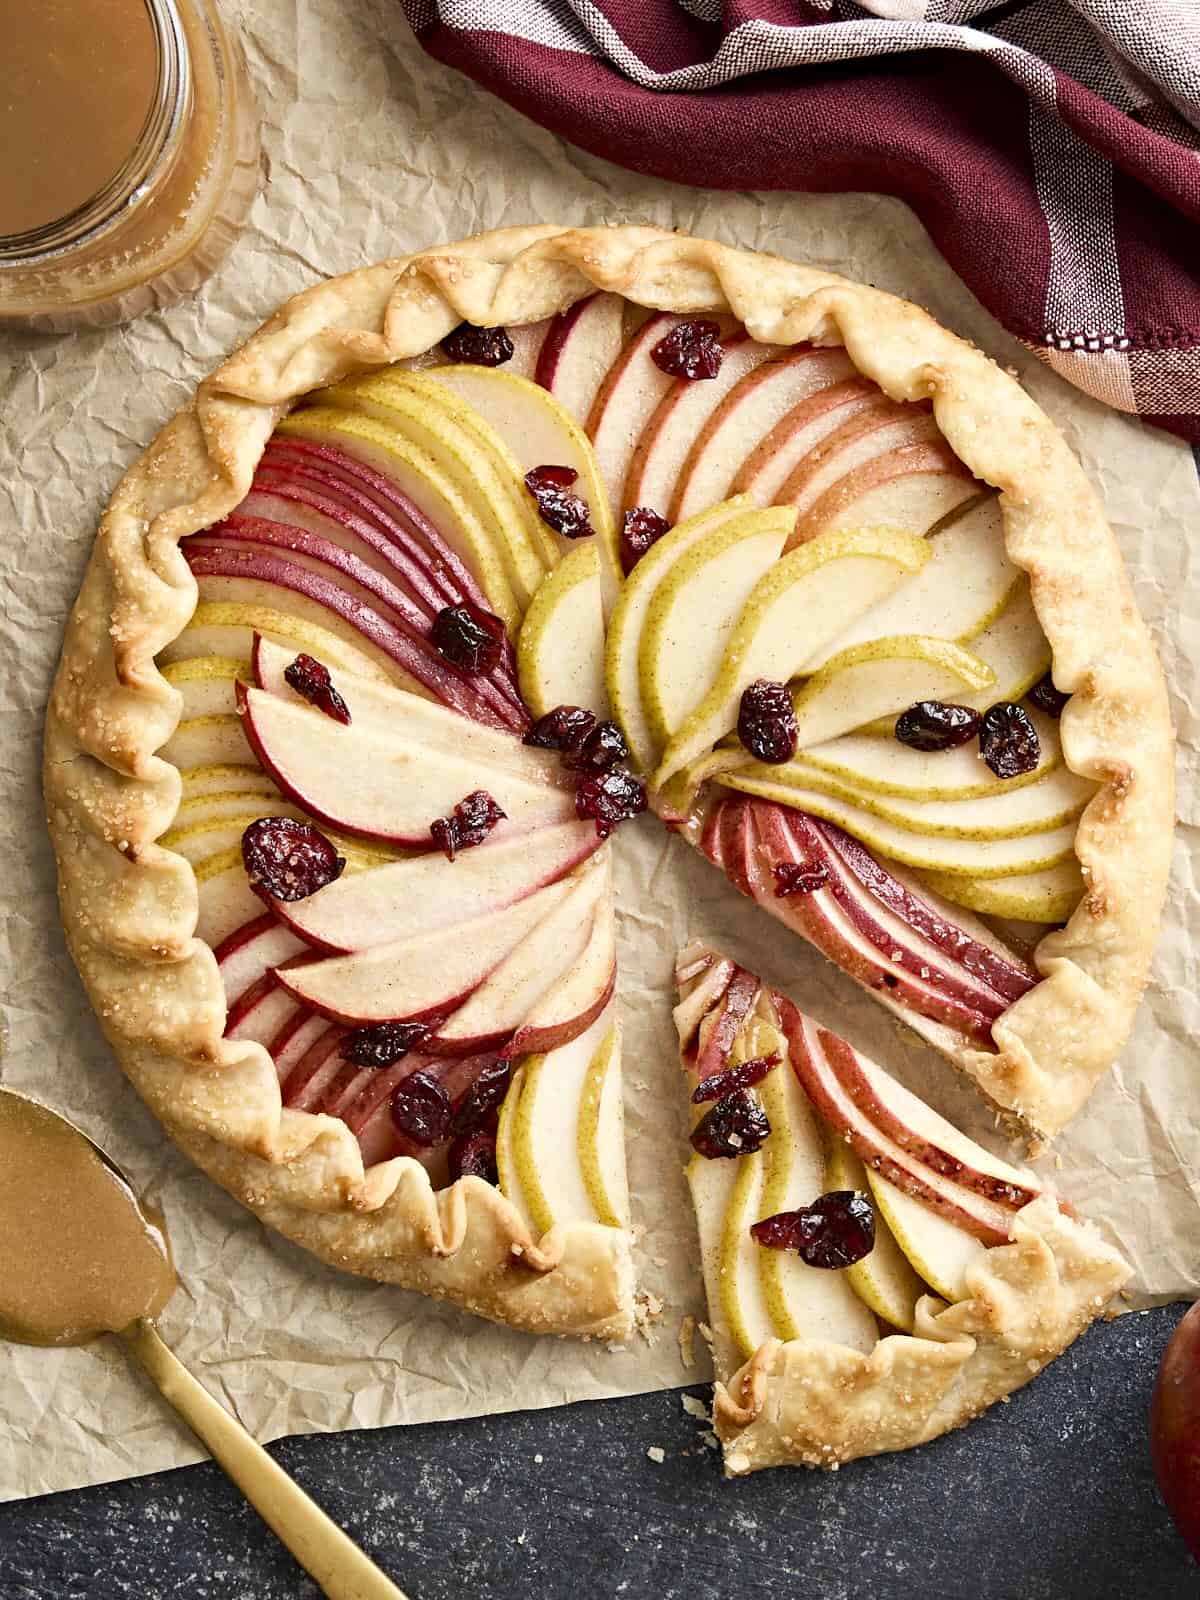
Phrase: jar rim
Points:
(151, 153)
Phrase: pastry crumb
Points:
(657, 1454)
(693, 1407)
(687, 1341)
(648, 1310)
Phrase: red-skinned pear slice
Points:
(245, 961)
(567, 1008)
(867, 434)
(628, 621)
(382, 786)
(439, 495)
(694, 610)
(422, 977)
(626, 400)
(221, 630)
(292, 1041)
(745, 416)
(678, 420)
(528, 975)
(579, 349)
(382, 709)
(540, 432)
(712, 982)
(560, 650)
(425, 893)
(800, 431)
(799, 604)
(968, 1212)
(719, 1033)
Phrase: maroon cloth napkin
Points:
(1052, 148)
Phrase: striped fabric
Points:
(1051, 147)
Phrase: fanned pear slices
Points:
(560, 652)
(881, 1216)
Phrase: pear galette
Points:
(461, 562)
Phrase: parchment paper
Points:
(371, 150)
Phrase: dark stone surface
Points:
(1047, 1498)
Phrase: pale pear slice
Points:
(1047, 895)
(623, 640)
(913, 487)
(880, 764)
(751, 409)
(205, 684)
(200, 839)
(428, 975)
(884, 1280)
(213, 803)
(547, 1132)
(1015, 648)
(226, 900)
(803, 1302)
(560, 650)
(509, 1180)
(600, 1139)
(881, 677)
(800, 431)
(694, 610)
(579, 350)
(795, 608)
(226, 630)
(965, 585)
(204, 741)
(725, 1199)
(385, 709)
(679, 419)
(977, 858)
(626, 400)
(870, 433)
(937, 1250)
(440, 484)
(584, 991)
(220, 778)
(539, 431)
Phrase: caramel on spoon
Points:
(82, 1257)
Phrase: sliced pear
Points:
(965, 586)
(226, 803)
(506, 1160)
(197, 840)
(881, 677)
(1015, 648)
(1048, 895)
(600, 1141)
(560, 650)
(938, 1250)
(201, 741)
(539, 431)
(206, 684)
(628, 619)
(471, 454)
(880, 764)
(226, 629)
(695, 609)
(221, 777)
(802, 602)
(802, 1302)
(974, 858)
(883, 1280)
(725, 1198)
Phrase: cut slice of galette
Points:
(463, 561)
(874, 1277)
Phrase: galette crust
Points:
(130, 906)
(820, 1405)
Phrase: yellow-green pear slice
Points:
(539, 431)
(1016, 650)
(725, 1199)
(801, 603)
(628, 620)
(938, 1252)
(221, 777)
(965, 585)
(694, 611)
(203, 741)
(600, 1140)
(880, 764)
(974, 858)
(205, 684)
(560, 649)
(227, 803)
(470, 452)
(435, 468)
(226, 628)
(1048, 895)
(506, 1161)
(204, 836)
(880, 677)
(545, 1131)
(883, 1280)
(802, 1302)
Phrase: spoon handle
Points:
(343, 1571)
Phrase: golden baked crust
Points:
(819, 1405)
(130, 906)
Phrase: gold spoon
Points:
(83, 1257)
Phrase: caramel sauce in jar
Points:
(130, 156)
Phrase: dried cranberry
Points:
(472, 820)
(1008, 740)
(736, 1126)
(640, 528)
(934, 725)
(564, 728)
(483, 1097)
(469, 638)
(421, 1109)
(558, 508)
(1045, 697)
(690, 350)
(609, 798)
(743, 1076)
(486, 347)
(799, 877)
(383, 1042)
(474, 1156)
(599, 751)
(310, 679)
(837, 1230)
(767, 722)
(288, 859)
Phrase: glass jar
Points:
(133, 120)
